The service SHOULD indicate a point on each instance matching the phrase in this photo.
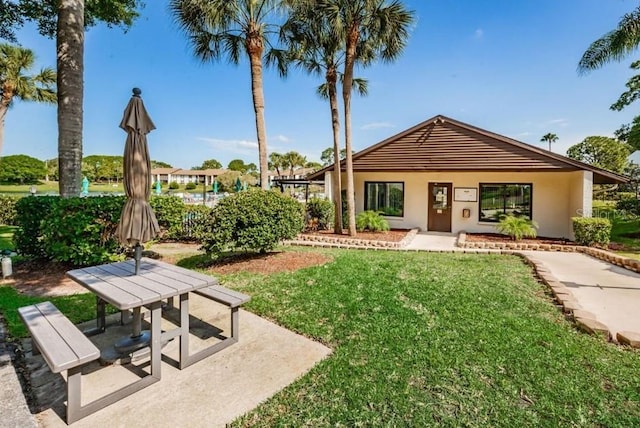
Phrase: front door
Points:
(439, 207)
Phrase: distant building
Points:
(184, 176)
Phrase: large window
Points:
(385, 197)
(500, 199)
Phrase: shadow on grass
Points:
(203, 261)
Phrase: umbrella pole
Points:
(137, 255)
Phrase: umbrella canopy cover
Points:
(138, 223)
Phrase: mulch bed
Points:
(393, 235)
(496, 237)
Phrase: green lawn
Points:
(622, 225)
(439, 339)
(52, 187)
(6, 237)
(423, 339)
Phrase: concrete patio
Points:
(210, 393)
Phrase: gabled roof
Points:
(445, 144)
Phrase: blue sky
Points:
(503, 65)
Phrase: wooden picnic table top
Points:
(117, 283)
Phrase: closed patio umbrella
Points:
(138, 223)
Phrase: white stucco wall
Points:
(556, 197)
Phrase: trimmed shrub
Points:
(319, 213)
(630, 205)
(174, 186)
(592, 232)
(371, 221)
(169, 211)
(517, 227)
(254, 219)
(8, 210)
(190, 186)
(30, 211)
(81, 231)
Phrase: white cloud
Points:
(559, 122)
(281, 138)
(243, 147)
(524, 134)
(478, 34)
(377, 125)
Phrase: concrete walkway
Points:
(433, 242)
(609, 292)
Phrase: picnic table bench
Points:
(63, 346)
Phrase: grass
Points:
(622, 225)
(52, 187)
(423, 339)
(6, 237)
(438, 339)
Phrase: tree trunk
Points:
(254, 49)
(3, 114)
(70, 62)
(347, 84)
(336, 179)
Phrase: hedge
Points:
(8, 210)
(592, 232)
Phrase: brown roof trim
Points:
(599, 173)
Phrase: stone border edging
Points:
(607, 256)
(351, 243)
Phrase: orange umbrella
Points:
(138, 223)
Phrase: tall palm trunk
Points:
(255, 49)
(70, 48)
(3, 113)
(336, 179)
(349, 62)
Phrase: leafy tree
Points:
(66, 20)
(238, 165)
(234, 28)
(21, 169)
(14, 84)
(367, 30)
(603, 152)
(327, 156)
(313, 165)
(210, 164)
(630, 134)
(158, 164)
(549, 138)
(102, 167)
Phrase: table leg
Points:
(101, 322)
(156, 339)
(184, 330)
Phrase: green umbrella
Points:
(158, 187)
(238, 185)
(85, 186)
(215, 187)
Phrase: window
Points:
(498, 199)
(385, 198)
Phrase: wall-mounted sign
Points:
(465, 194)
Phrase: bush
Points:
(81, 231)
(8, 210)
(319, 213)
(169, 211)
(371, 221)
(174, 186)
(30, 212)
(190, 186)
(630, 205)
(517, 227)
(251, 220)
(592, 231)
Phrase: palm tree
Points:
(550, 138)
(313, 47)
(367, 30)
(14, 84)
(293, 160)
(70, 62)
(276, 162)
(614, 45)
(232, 28)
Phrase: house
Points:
(184, 176)
(443, 175)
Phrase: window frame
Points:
(366, 196)
(480, 186)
